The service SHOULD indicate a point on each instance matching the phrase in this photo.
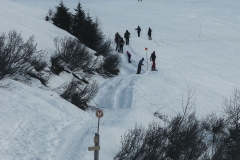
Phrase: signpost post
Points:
(146, 57)
(96, 148)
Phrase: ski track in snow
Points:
(117, 94)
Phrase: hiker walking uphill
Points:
(149, 34)
(127, 36)
(140, 65)
(129, 57)
(116, 39)
(121, 43)
(153, 58)
(138, 30)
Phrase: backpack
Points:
(122, 42)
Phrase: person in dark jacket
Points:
(139, 66)
(122, 42)
(138, 30)
(118, 43)
(149, 33)
(129, 57)
(153, 58)
(127, 36)
(116, 39)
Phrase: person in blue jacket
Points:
(139, 66)
(129, 57)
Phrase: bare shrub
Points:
(223, 134)
(232, 109)
(16, 56)
(72, 55)
(131, 143)
(55, 67)
(231, 142)
(81, 99)
(39, 63)
(182, 138)
(110, 66)
(42, 77)
(78, 95)
(185, 137)
(104, 49)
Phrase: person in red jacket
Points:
(153, 58)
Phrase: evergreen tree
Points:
(92, 35)
(79, 22)
(62, 18)
(88, 34)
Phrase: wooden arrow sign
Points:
(93, 148)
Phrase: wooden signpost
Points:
(96, 148)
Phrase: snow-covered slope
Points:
(196, 44)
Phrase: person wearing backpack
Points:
(127, 36)
(153, 58)
(122, 42)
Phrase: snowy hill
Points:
(196, 44)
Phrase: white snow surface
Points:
(197, 44)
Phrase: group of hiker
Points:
(149, 32)
(120, 43)
(152, 58)
(140, 63)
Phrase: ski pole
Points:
(145, 67)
